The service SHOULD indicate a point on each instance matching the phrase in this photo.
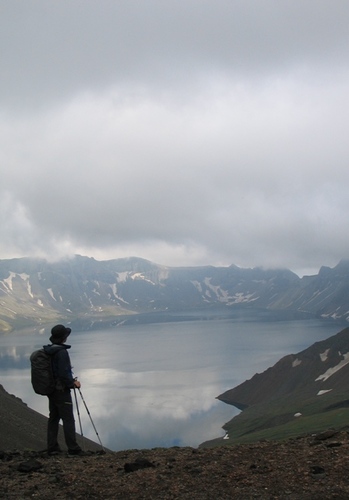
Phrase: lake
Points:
(155, 384)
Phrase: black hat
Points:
(59, 333)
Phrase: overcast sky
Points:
(186, 132)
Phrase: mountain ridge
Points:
(35, 292)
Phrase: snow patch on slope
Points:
(328, 373)
(197, 285)
(50, 291)
(324, 355)
(140, 276)
(115, 294)
(221, 294)
(238, 298)
(320, 393)
(8, 282)
(122, 277)
(296, 362)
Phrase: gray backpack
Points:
(42, 378)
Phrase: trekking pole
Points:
(89, 414)
(78, 412)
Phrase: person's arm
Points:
(64, 372)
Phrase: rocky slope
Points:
(23, 428)
(312, 467)
(322, 368)
(303, 392)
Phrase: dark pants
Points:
(61, 407)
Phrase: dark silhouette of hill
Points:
(22, 428)
(303, 392)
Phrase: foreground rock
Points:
(310, 467)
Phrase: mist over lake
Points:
(154, 384)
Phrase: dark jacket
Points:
(61, 366)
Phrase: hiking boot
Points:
(77, 453)
(54, 451)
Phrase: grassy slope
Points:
(276, 420)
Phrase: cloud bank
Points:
(187, 133)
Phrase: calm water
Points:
(150, 385)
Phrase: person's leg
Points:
(52, 425)
(67, 416)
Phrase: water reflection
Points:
(155, 385)
(164, 408)
(14, 357)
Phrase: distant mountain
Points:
(302, 393)
(86, 291)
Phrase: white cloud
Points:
(183, 135)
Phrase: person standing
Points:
(60, 400)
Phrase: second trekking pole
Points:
(89, 414)
(77, 410)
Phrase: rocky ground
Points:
(312, 467)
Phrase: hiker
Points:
(60, 400)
